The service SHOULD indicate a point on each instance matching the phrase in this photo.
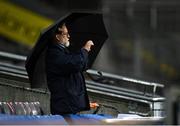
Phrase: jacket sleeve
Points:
(68, 63)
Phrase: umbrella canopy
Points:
(82, 27)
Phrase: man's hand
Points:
(88, 45)
(94, 105)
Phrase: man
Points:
(64, 75)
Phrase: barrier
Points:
(86, 119)
(32, 120)
(21, 108)
(71, 119)
(144, 98)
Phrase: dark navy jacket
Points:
(65, 80)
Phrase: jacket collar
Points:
(63, 47)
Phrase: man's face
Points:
(63, 38)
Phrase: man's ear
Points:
(57, 37)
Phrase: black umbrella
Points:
(82, 27)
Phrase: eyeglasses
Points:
(65, 34)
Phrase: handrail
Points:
(25, 88)
(113, 77)
(108, 75)
(114, 91)
(12, 56)
(12, 66)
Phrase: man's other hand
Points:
(94, 105)
(88, 45)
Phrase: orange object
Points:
(94, 105)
